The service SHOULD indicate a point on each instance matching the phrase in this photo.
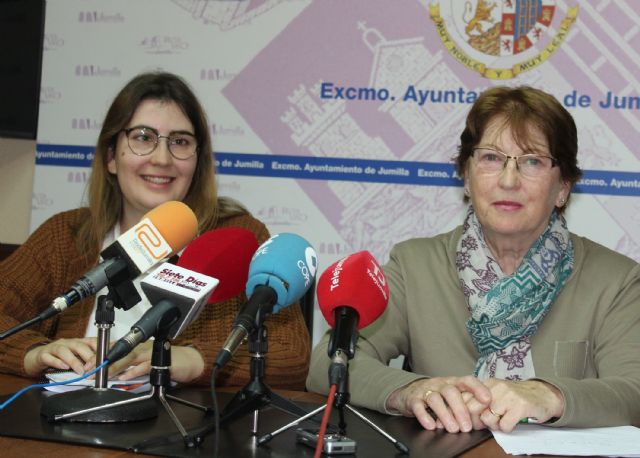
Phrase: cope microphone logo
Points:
(309, 266)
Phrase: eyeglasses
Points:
(493, 161)
(143, 141)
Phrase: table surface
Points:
(11, 446)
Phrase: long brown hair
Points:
(104, 194)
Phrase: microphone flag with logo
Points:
(177, 296)
(162, 231)
(352, 293)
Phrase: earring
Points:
(562, 201)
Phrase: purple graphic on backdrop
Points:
(226, 14)
(320, 47)
(330, 103)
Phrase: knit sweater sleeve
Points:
(29, 279)
(287, 359)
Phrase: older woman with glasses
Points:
(509, 317)
(154, 147)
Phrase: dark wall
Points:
(21, 38)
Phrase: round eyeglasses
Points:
(491, 161)
(143, 141)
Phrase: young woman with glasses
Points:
(154, 146)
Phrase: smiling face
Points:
(513, 209)
(148, 181)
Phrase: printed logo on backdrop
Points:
(51, 42)
(85, 124)
(501, 39)
(222, 130)
(228, 187)
(79, 176)
(333, 248)
(100, 17)
(92, 70)
(282, 216)
(41, 201)
(163, 44)
(216, 74)
(49, 94)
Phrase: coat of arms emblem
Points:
(501, 38)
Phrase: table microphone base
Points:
(70, 406)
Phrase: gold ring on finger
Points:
(495, 413)
(427, 394)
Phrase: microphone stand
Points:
(256, 394)
(340, 402)
(160, 379)
(86, 405)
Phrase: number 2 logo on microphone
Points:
(153, 242)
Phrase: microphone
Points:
(281, 271)
(161, 232)
(352, 293)
(225, 254)
(221, 256)
(177, 295)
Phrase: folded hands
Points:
(460, 404)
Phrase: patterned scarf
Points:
(506, 310)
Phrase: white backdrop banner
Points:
(338, 120)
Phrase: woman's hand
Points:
(512, 401)
(443, 396)
(79, 355)
(186, 363)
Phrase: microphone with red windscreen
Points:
(225, 254)
(352, 293)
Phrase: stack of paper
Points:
(137, 385)
(544, 440)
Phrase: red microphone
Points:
(352, 293)
(225, 254)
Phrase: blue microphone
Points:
(281, 271)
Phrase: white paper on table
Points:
(136, 385)
(544, 440)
